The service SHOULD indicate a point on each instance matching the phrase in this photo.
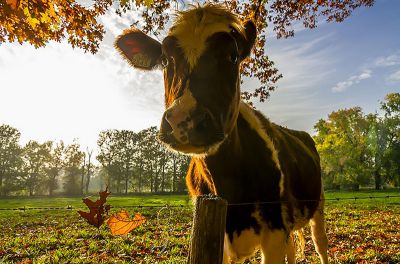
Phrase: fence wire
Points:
(70, 207)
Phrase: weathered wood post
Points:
(208, 231)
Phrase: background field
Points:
(360, 231)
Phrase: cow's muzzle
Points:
(189, 132)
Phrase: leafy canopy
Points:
(39, 21)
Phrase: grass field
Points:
(360, 231)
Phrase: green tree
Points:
(73, 169)
(38, 22)
(55, 166)
(10, 160)
(377, 145)
(391, 122)
(36, 157)
(342, 143)
(88, 170)
(117, 153)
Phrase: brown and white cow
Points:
(237, 153)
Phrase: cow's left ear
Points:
(140, 50)
(249, 39)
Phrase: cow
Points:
(270, 175)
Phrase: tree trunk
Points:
(140, 176)
(174, 176)
(163, 179)
(378, 180)
(51, 187)
(126, 182)
(156, 178)
(151, 178)
(1, 184)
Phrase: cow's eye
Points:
(233, 58)
(164, 61)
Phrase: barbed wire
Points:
(316, 200)
(70, 207)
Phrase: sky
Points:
(60, 93)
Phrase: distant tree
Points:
(139, 162)
(38, 22)
(106, 156)
(391, 110)
(377, 145)
(10, 160)
(73, 169)
(342, 143)
(153, 152)
(88, 170)
(55, 166)
(183, 166)
(36, 157)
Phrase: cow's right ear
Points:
(140, 50)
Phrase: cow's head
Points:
(200, 57)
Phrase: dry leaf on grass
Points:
(98, 210)
(120, 224)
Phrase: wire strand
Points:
(69, 207)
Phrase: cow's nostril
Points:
(202, 121)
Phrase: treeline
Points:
(129, 162)
(359, 149)
(356, 149)
(139, 162)
(36, 167)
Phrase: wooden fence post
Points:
(208, 231)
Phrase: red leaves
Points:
(120, 224)
(98, 210)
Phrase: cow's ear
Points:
(140, 50)
(249, 39)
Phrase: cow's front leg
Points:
(274, 246)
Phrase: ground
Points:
(359, 231)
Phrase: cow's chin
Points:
(194, 150)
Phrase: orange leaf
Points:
(120, 224)
(13, 3)
(359, 250)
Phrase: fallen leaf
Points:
(97, 210)
(359, 250)
(120, 224)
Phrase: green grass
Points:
(20, 202)
(361, 231)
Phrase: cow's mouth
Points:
(193, 146)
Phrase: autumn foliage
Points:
(40, 21)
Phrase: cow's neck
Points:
(232, 165)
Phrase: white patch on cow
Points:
(273, 246)
(192, 28)
(179, 112)
(241, 246)
(249, 115)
